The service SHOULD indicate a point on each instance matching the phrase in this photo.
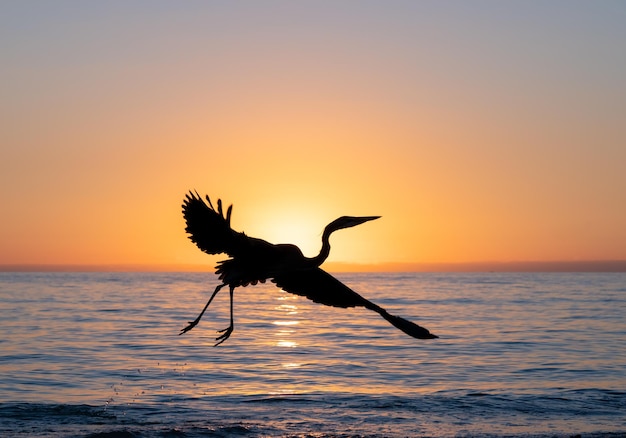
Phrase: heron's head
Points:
(347, 222)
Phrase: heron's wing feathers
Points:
(209, 228)
(320, 287)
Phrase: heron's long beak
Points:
(358, 220)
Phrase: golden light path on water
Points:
(285, 332)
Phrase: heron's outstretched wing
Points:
(320, 287)
(209, 228)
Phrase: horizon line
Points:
(516, 266)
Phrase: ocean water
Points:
(99, 355)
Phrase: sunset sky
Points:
(481, 131)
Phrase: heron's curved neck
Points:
(324, 252)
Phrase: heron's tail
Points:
(408, 327)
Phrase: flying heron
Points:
(254, 260)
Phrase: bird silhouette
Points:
(254, 260)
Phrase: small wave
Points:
(113, 434)
(33, 411)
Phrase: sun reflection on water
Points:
(283, 333)
(290, 309)
(283, 323)
(285, 343)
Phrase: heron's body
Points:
(254, 260)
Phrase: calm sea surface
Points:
(98, 355)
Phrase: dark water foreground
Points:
(587, 413)
(98, 355)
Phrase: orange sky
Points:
(480, 131)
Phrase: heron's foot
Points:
(191, 325)
(225, 334)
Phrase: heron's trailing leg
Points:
(195, 322)
(225, 334)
